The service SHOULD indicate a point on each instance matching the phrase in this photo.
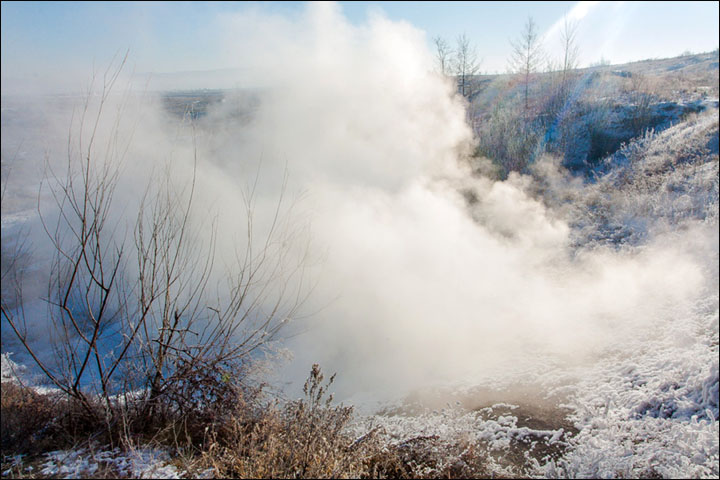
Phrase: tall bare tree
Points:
(527, 57)
(466, 66)
(443, 54)
(571, 52)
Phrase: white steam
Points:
(412, 285)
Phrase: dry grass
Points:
(300, 439)
(241, 434)
(25, 417)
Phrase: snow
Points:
(140, 463)
(647, 405)
(9, 370)
(652, 413)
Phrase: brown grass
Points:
(25, 417)
(241, 434)
(300, 439)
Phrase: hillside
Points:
(603, 108)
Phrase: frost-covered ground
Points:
(646, 406)
(648, 410)
(86, 463)
(144, 463)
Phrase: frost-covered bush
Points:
(654, 184)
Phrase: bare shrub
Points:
(24, 417)
(300, 439)
(641, 91)
(508, 140)
(161, 328)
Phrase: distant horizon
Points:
(54, 46)
(235, 69)
(178, 89)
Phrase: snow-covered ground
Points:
(647, 405)
(87, 463)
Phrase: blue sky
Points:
(51, 39)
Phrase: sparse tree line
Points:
(528, 58)
(461, 62)
(541, 107)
